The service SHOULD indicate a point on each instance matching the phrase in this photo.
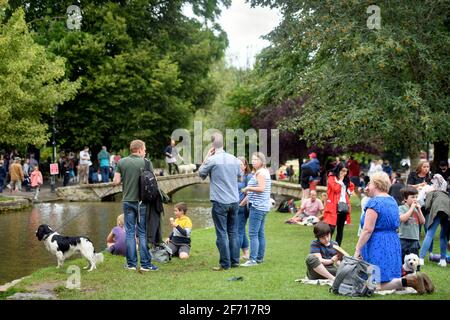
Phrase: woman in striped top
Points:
(258, 197)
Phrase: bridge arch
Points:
(170, 185)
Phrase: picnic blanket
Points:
(327, 282)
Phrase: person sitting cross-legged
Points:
(323, 259)
(310, 207)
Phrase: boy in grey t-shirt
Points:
(410, 218)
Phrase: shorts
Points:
(178, 248)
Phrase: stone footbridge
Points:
(170, 185)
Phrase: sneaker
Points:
(421, 262)
(442, 263)
(235, 265)
(151, 268)
(259, 261)
(129, 268)
(249, 263)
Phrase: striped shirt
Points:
(327, 252)
(260, 200)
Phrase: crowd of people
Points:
(17, 172)
(393, 215)
(394, 209)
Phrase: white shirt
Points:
(84, 154)
(343, 191)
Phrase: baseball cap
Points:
(313, 155)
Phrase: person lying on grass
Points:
(323, 259)
(179, 240)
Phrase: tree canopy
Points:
(144, 67)
(388, 86)
(32, 83)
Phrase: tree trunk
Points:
(441, 150)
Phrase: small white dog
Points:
(411, 263)
(187, 168)
(64, 247)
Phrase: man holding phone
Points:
(224, 171)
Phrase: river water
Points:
(21, 253)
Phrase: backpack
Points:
(287, 206)
(161, 253)
(354, 278)
(148, 186)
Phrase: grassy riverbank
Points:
(287, 246)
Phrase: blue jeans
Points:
(256, 232)
(105, 174)
(243, 217)
(225, 217)
(440, 219)
(133, 218)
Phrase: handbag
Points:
(342, 208)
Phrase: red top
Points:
(333, 195)
(353, 168)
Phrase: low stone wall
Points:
(78, 193)
(14, 204)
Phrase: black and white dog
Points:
(64, 247)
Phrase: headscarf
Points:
(438, 182)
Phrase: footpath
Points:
(23, 199)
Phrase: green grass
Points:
(287, 247)
(3, 198)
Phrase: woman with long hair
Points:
(338, 209)
(243, 208)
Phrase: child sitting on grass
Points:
(116, 238)
(179, 240)
(323, 259)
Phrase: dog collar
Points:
(46, 236)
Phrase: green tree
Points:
(32, 83)
(388, 85)
(143, 66)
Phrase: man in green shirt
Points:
(127, 172)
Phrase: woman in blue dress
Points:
(379, 243)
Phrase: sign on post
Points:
(54, 169)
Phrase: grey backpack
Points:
(161, 253)
(354, 278)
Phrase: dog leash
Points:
(65, 223)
